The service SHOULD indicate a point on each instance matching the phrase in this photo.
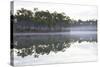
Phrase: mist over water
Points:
(54, 45)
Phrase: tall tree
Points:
(24, 14)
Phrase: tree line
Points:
(39, 20)
(42, 17)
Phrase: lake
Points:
(78, 45)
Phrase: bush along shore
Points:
(44, 21)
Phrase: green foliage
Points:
(45, 21)
(24, 14)
(42, 17)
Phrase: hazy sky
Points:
(74, 11)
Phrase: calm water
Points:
(44, 48)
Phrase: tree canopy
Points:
(45, 21)
(42, 17)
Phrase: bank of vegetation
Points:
(44, 21)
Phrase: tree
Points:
(41, 19)
(24, 14)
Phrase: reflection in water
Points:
(42, 49)
(39, 46)
(44, 44)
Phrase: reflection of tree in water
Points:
(40, 47)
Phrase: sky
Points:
(83, 12)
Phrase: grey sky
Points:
(74, 11)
